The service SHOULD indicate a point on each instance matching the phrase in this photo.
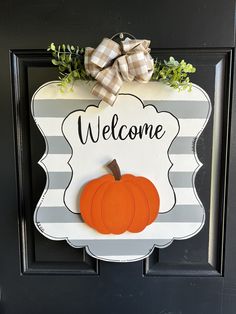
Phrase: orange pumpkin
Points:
(115, 203)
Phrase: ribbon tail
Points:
(101, 92)
(110, 79)
(109, 82)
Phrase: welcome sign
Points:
(151, 131)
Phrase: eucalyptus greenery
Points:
(173, 73)
(70, 62)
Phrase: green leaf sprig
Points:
(173, 73)
(70, 62)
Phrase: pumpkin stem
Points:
(115, 169)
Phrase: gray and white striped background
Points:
(187, 217)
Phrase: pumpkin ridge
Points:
(110, 231)
(154, 205)
(133, 198)
(119, 225)
(145, 209)
(86, 199)
(95, 208)
(128, 177)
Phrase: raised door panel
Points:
(198, 256)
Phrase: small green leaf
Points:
(55, 62)
(61, 68)
(58, 52)
(63, 57)
(52, 47)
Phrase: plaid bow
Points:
(112, 63)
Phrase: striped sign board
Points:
(72, 125)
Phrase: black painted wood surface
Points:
(42, 276)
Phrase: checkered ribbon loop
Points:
(111, 64)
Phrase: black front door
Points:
(189, 277)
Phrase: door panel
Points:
(201, 255)
(189, 277)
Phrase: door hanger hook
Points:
(122, 35)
